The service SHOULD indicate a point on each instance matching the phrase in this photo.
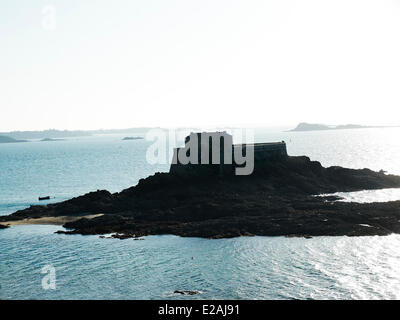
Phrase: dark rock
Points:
(278, 199)
(332, 198)
(187, 292)
(3, 226)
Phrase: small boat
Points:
(44, 198)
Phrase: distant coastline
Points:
(137, 133)
(52, 134)
(304, 126)
(46, 134)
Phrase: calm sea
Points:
(87, 267)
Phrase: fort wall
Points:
(226, 164)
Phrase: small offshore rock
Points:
(187, 292)
(332, 198)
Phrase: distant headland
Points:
(304, 126)
(6, 139)
(207, 200)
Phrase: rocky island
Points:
(132, 138)
(277, 199)
(304, 126)
(51, 140)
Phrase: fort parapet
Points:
(215, 153)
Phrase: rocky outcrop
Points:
(187, 292)
(277, 199)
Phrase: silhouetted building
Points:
(214, 152)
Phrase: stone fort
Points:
(215, 153)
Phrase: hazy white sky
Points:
(126, 63)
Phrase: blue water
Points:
(64, 169)
(88, 267)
